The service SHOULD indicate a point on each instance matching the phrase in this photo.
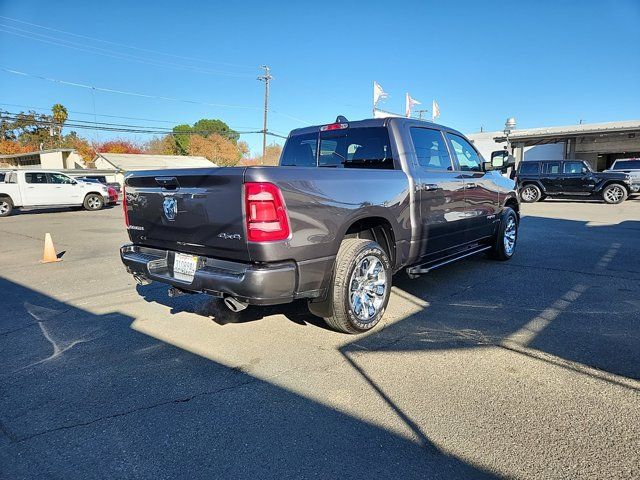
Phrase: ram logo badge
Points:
(170, 208)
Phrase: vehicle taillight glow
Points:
(266, 214)
(124, 206)
(334, 126)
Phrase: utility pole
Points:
(266, 78)
(420, 112)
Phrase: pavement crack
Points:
(15, 439)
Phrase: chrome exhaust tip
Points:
(141, 279)
(234, 304)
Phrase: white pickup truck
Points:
(46, 189)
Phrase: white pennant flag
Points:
(409, 104)
(378, 94)
(435, 110)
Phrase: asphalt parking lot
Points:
(523, 369)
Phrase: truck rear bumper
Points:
(264, 284)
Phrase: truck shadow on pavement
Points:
(85, 395)
(572, 291)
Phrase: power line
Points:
(144, 95)
(124, 92)
(116, 55)
(64, 32)
(173, 122)
(110, 127)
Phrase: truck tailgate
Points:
(197, 211)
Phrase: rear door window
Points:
(367, 147)
(35, 177)
(552, 168)
(431, 149)
(529, 168)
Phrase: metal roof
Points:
(131, 161)
(572, 130)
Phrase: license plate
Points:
(184, 266)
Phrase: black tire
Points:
(6, 206)
(341, 314)
(614, 193)
(93, 202)
(500, 249)
(530, 193)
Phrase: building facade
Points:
(599, 144)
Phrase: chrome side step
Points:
(418, 270)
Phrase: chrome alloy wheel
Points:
(510, 235)
(529, 194)
(367, 288)
(4, 207)
(614, 194)
(94, 203)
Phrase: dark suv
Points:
(555, 178)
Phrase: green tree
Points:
(181, 135)
(207, 126)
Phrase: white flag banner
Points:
(409, 104)
(435, 110)
(377, 113)
(378, 94)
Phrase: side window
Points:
(431, 149)
(552, 168)
(300, 151)
(572, 168)
(59, 178)
(468, 158)
(529, 168)
(35, 177)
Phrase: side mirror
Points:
(74, 182)
(501, 160)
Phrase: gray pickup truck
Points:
(351, 204)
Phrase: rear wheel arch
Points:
(378, 229)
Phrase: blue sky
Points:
(544, 62)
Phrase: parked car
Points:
(102, 179)
(45, 189)
(351, 204)
(113, 194)
(561, 178)
(630, 166)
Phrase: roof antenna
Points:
(341, 119)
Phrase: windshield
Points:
(626, 165)
(367, 147)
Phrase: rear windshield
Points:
(529, 168)
(627, 165)
(346, 148)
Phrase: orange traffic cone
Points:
(49, 251)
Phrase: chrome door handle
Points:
(470, 185)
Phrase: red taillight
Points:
(124, 206)
(266, 214)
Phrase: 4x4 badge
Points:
(170, 208)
